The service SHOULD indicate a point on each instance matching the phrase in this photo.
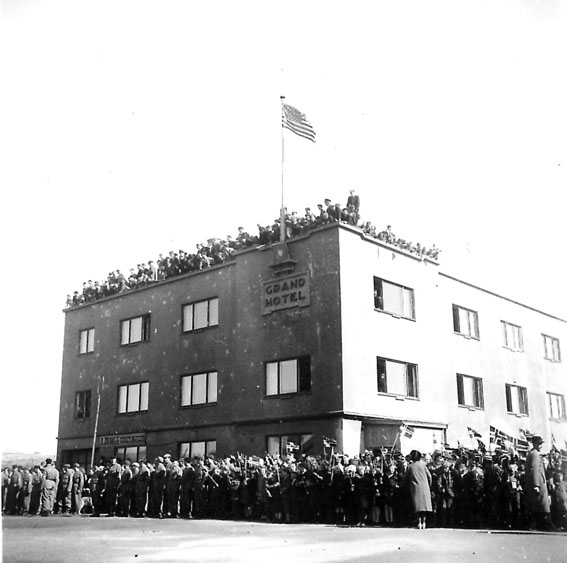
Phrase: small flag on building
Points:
(329, 443)
(291, 446)
(473, 433)
(296, 121)
(406, 431)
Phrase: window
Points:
(465, 322)
(516, 399)
(513, 337)
(133, 398)
(86, 341)
(201, 314)
(393, 298)
(133, 453)
(551, 347)
(83, 404)
(199, 389)
(135, 330)
(295, 444)
(397, 378)
(288, 376)
(469, 391)
(192, 449)
(556, 406)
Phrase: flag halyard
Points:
(296, 121)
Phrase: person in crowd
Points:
(536, 486)
(49, 487)
(418, 479)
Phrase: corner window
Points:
(551, 348)
(288, 376)
(516, 399)
(199, 448)
(86, 341)
(83, 404)
(465, 322)
(201, 314)
(513, 339)
(133, 398)
(393, 298)
(135, 330)
(397, 378)
(556, 406)
(296, 444)
(199, 389)
(469, 391)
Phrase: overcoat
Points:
(418, 478)
(535, 477)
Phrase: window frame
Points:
(409, 367)
(145, 329)
(518, 335)
(191, 443)
(478, 390)
(120, 453)
(457, 322)
(291, 437)
(127, 400)
(555, 347)
(379, 304)
(561, 406)
(522, 398)
(89, 341)
(302, 377)
(210, 324)
(207, 375)
(86, 411)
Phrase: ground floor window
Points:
(133, 453)
(286, 444)
(201, 448)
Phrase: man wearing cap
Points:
(536, 486)
(64, 491)
(49, 487)
(158, 488)
(78, 482)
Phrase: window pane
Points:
(211, 447)
(464, 321)
(288, 376)
(396, 374)
(188, 317)
(200, 314)
(212, 394)
(382, 380)
(306, 443)
(272, 379)
(133, 398)
(90, 343)
(144, 396)
(198, 448)
(273, 445)
(411, 379)
(131, 453)
(83, 342)
(407, 295)
(392, 298)
(199, 388)
(122, 394)
(185, 450)
(125, 332)
(515, 399)
(213, 312)
(468, 391)
(186, 391)
(142, 452)
(136, 330)
(87, 404)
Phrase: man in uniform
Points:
(124, 490)
(536, 486)
(64, 489)
(14, 490)
(49, 487)
(78, 482)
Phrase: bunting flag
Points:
(296, 121)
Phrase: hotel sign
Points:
(285, 293)
(122, 439)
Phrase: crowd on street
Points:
(447, 489)
(217, 251)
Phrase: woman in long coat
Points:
(418, 478)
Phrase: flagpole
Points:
(282, 212)
(98, 392)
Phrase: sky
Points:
(130, 128)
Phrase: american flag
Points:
(296, 121)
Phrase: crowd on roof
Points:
(217, 251)
(460, 488)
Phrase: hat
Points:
(76, 465)
(159, 459)
(167, 455)
(537, 439)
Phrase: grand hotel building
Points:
(331, 334)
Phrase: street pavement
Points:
(83, 539)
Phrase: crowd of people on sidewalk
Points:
(217, 251)
(447, 489)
